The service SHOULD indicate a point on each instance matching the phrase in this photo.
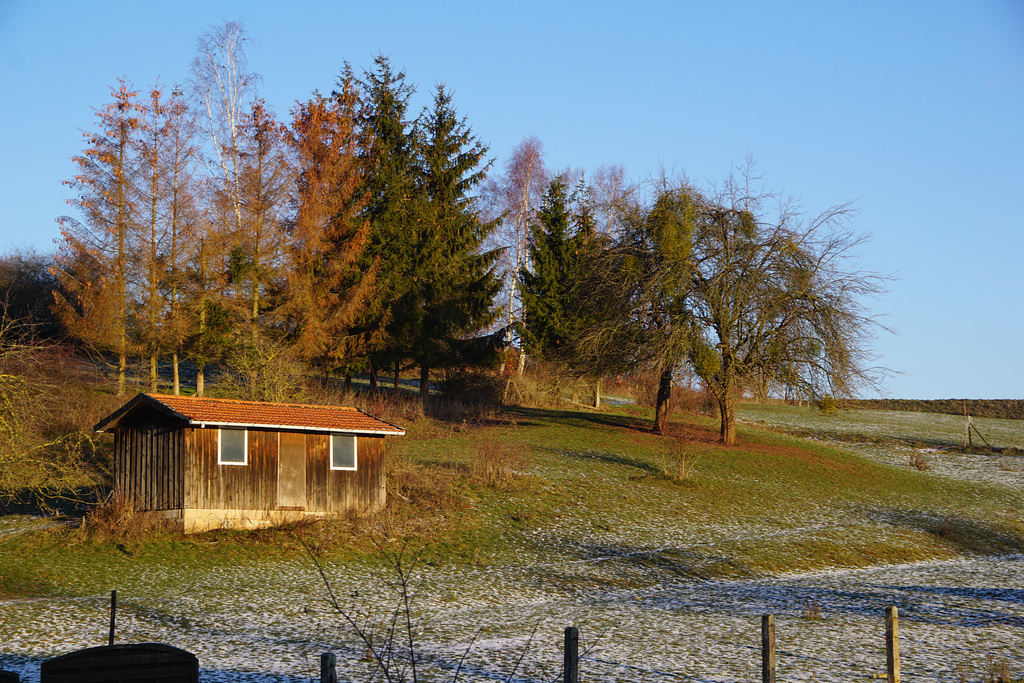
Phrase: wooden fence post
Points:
(113, 616)
(328, 668)
(892, 644)
(571, 660)
(768, 648)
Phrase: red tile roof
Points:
(229, 412)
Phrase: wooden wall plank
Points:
(165, 464)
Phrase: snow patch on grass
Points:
(641, 590)
(271, 623)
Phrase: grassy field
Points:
(900, 428)
(532, 519)
(546, 487)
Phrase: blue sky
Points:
(912, 110)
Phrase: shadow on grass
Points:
(588, 565)
(1012, 595)
(533, 416)
(73, 503)
(921, 604)
(606, 457)
(964, 536)
(941, 443)
(680, 579)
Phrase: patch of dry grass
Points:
(117, 518)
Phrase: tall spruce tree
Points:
(454, 283)
(557, 301)
(392, 205)
(568, 294)
(542, 284)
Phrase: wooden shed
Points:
(204, 463)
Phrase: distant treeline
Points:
(1012, 409)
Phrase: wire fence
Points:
(579, 665)
(924, 650)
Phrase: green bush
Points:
(827, 405)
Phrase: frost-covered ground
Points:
(636, 591)
(928, 434)
(953, 614)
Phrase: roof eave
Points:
(202, 424)
(114, 419)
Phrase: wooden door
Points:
(291, 471)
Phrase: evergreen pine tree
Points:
(454, 283)
(544, 286)
(392, 205)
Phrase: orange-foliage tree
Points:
(329, 281)
(184, 221)
(166, 227)
(265, 179)
(92, 257)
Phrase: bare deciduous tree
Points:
(777, 293)
(222, 88)
(515, 196)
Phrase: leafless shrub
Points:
(454, 409)
(475, 386)
(536, 390)
(998, 671)
(389, 639)
(48, 405)
(945, 529)
(680, 458)
(684, 399)
(424, 488)
(812, 609)
(918, 461)
(391, 407)
(397, 408)
(117, 518)
(496, 461)
(262, 369)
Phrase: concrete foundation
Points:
(196, 521)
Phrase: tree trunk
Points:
(152, 373)
(177, 375)
(348, 383)
(597, 393)
(122, 364)
(727, 434)
(424, 384)
(664, 402)
(200, 380)
(398, 370)
(373, 378)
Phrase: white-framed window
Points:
(232, 447)
(343, 452)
